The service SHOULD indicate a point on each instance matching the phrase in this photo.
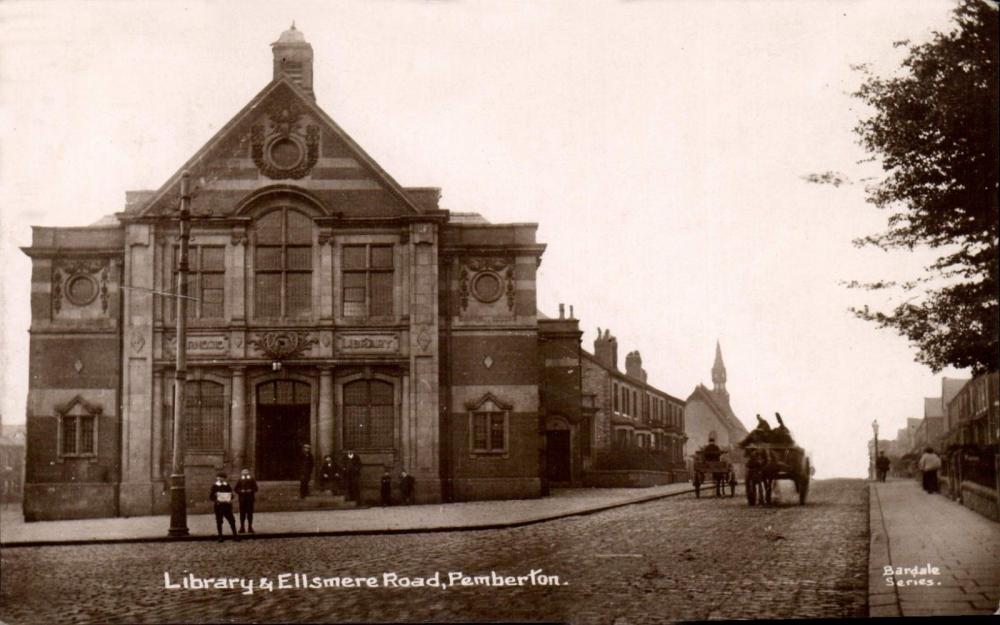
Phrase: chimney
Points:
(633, 366)
(293, 57)
(606, 349)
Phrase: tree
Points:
(935, 130)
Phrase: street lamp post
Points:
(875, 457)
(178, 495)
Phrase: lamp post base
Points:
(178, 507)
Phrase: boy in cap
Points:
(221, 495)
(246, 490)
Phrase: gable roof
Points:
(170, 188)
(721, 409)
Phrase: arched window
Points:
(283, 265)
(205, 416)
(369, 411)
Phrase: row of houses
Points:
(330, 306)
(963, 426)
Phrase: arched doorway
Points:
(283, 408)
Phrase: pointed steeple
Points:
(719, 372)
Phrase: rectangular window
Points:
(79, 436)
(489, 432)
(283, 259)
(206, 280)
(615, 394)
(367, 281)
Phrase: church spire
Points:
(719, 372)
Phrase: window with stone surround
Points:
(369, 414)
(206, 280)
(78, 425)
(79, 435)
(205, 416)
(489, 432)
(615, 393)
(367, 279)
(283, 265)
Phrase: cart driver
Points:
(711, 452)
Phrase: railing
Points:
(979, 464)
(633, 459)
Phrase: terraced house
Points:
(331, 306)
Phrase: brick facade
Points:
(329, 306)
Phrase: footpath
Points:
(476, 515)
(929, 555)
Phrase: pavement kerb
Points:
(353, 532)
(879, 555)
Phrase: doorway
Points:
(283, 411)
(557, 461)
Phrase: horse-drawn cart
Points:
(720, 472)
(768, 462)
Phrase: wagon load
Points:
(772, 455)
(765, 434)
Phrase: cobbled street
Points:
(671, 559)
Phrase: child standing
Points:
(222, 496)
(246, 490)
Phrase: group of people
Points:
(929, 464)
(332, 476)
(764, 433)
(221, 495)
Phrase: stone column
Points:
(238, 431)
(157, 469)
(325, 425)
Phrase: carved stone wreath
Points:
(68, 273)
(283, 345)
(286, 151)
(474, 274)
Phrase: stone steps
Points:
(282, 496)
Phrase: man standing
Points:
(386, 488)
(328, 474)
(929, 465)
(246, 491)
(406, 487)
(305, 471)
(882, 465)
(352, 471)
(221, 496)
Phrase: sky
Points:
(660, 146)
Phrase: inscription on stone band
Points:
(201, 344)
(368, 343)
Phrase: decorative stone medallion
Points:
(283, 344)
(487, 279)
(80, 282)
(285, 148)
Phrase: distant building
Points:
(708, 414)
(12, 444)
(638, 430)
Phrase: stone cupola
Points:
(293, 56)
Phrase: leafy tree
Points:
(935, 130)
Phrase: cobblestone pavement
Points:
(679, 558)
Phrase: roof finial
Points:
(293, 24)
